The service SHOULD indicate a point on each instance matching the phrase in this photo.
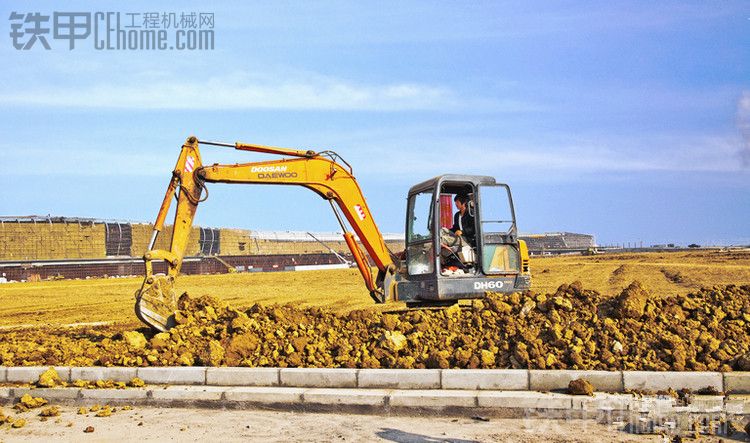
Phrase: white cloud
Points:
(239, 91)
(170, 83)
(549, 159)
(424, 155)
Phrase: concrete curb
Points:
(188, 375)
(99, 373)
(403, 379)
(550, 380)
(737, 382)
(318, 378)
(656, 381)
(264, 395)
(243, 377)
(26, 374)
(496, 403)
(399, 378)
(486, 379)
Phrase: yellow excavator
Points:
(495, 260)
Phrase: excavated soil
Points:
(580, 386)
(572, 328)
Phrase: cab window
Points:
(420, 249)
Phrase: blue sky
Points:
(630, 121)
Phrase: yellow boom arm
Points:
(156, 301)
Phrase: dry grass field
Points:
(98, 300)
(663, 273)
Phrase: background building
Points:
(37, 247)
(558, 242)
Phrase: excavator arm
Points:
(320, 172)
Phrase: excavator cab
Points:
(440, 267)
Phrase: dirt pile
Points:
(571, 328)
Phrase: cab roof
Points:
(438, 180)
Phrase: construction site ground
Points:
(191, 424)
(111, 299)
(603, 321)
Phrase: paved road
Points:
(186, 424)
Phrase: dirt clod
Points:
(136, 382)
(28, 402)
(49, 379)
(580, 386)
(632, 301)
(106, 411)
(134, 339)
(743, 363)
(52, 411)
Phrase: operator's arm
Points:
(455, 226)
(469, 227)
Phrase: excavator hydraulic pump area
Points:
(449, 256)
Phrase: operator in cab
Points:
(454, 241)
(463, 221)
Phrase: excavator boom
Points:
(321, 172)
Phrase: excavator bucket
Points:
(156, 303)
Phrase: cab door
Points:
(420, 241)
(497, 239)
